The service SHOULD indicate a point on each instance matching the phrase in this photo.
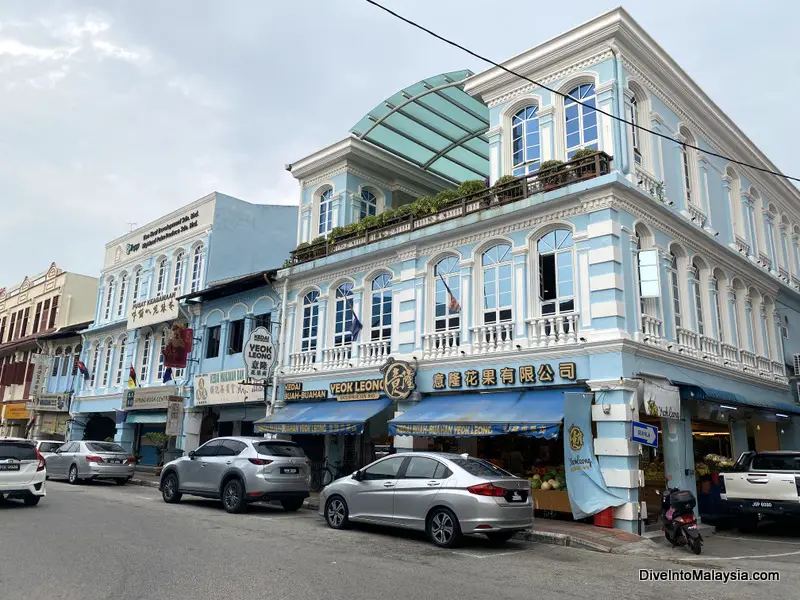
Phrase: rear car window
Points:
(776, 462)
(279, 449)
(480, 468)
(17, 450)
(104, 447)
(50, 446)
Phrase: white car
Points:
(22, 471)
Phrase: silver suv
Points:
(239, 470)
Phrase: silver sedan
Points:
(87, 460)
(445, 495)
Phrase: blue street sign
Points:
(644, 434)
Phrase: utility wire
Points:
(576, 100)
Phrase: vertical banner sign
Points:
(39, 364)
(588, 493)
(174, 417)
(259, 355)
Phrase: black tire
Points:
(696, 545)
(670, 539)
(337, 515)
(72, 475)
(443, 528)
(748, 523)
(170, 490)
(233, 496)
(292, 504)
(31, 500)
(121, 480)
(500, 537)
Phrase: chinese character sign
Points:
(259, 355)
(508, 376)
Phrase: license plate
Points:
(516, 497)
(114, 461)
(9, 467)
(759, 504)
(691, 527)
(290, 470)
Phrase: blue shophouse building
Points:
(655, 276)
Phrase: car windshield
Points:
(480, 468)
(104, 447)
(279, 449)
(17, 451)
(50, 446)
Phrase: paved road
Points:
(100, 541)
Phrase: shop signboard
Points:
(294, 391)
(223, 387)
(644, 434)
(300, 428)
(39, 363)
(153, 311)
(15, 411)
(662, 400)
(397, 383)
(151, 398)
(523, 375)
(52, 402)
(259, 355)
(174, 417)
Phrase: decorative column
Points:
(467, 316)
(322, 331)
(705, 196)
(520, 312)
(778, 356)
(732, 318)
(419, 311)
(748, 316)
(495, 153)
(666, 296)
(637, 304)
(249, 324)
(690, 320)
(549, 145)
(223, 343)
(287, 336)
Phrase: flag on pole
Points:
(355, 326)
(119, 416)
(452, 304)
(132, 378)
(167, 375)
(82, 368)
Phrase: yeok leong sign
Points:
(259, 354)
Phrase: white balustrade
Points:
(374, 353)
(441, 344)
(493, 338)
(687, 341)
(302, 361)
(553, 330)
(778, 368)
(337, 357)
(651, 328)
(649, 184)
(749, 359)
(696, 215)
(764, 365)
(730, 355)
(709, 349)
(742, 246)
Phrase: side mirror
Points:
(358, 476)
(58, 450)
(191, 453)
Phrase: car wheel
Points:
(121, 480)
(73, 475)
(233, 496)
(336, 514)
(500, 537)
(169, 489)
(31, 500)
(443, 528)
(292, 504)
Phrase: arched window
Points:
(676, 289)
(56, 363)
(65, 362)
(310, 328)
(75, 358)
(698, 299)
(161, 276)
(368, 205)
(765, 313)
(123, 289)
(197, 268)
(497, 304)
(688, 161)
(180, 261)
(144, 369)
(447, 313)
(786, 259)
(107, 363)
(556, 272)
(381, 315)
(121, 361)
(343, 319)
(137, 284)
(95, 364)
(161, 348)
(796, 250)
(581, 120)
(109, 298)
(632, 110)
(526, 142)
(326, 212)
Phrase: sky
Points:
(115, 112)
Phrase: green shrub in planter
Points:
(505, 179)
(551, 173)
(318, 241)
(423, 206)
(404, 210)
(302, 246)
(336, 232)
(287, 263)
(366, 223)
(472, 186)
(584, 152)
(445, 197)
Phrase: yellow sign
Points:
(15, 411)
(398, 379)
(575, 438)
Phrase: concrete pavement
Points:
(100, 541)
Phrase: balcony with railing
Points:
(709, 349)
(730, 355)
(742, 246)
(302, 362)
(749, 359)
(337, 357)
(651, 330)
(687, 341)
(649, 184)
(419, 215)
(441, 344)
(493, 338)
(553, 330)
(696, 215)
(374, 353)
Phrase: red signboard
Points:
(179, 346)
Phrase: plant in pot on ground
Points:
(503, 187)
(160, 441)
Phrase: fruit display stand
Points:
(553, 500)
(549, 489)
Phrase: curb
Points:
(143, 482)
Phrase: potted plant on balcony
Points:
(551, 174)
(588, 166)
(503, 188)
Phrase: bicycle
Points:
(324, 474)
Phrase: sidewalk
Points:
(145, 478)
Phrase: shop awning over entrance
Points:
(147, 417)
(534, 413)
(322, 417)
(690, 391)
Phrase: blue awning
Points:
(146, 417)
(533, 413)
(322, 417)
(691, 391)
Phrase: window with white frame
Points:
(123, 289)
(56, 363)
(137, 284)
(526, 149)
(66, 362)
(197, 268)
(107, 363)
(180, 263)
(632, 110)
(581, 119)
(326, 212)
(496, 263)
(769, 236)
(162, 346)
(343, 317)
(144, 368)
(698, 300)
(785, 256)
(688, 158)
(120, 361)
(751, 221)
(161, 276)
(381, 308)
(310, 326)
(676, 289)
(368, 205)
(447, 281)
(556, 272)
(109, 298)
(95, 364)
(714, 291)
(735, 202)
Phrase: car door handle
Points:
(433, 483)
(227, 463)
(388, 484)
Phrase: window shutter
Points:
(797, 365)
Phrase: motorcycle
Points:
(680, 524)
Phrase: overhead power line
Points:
(576, 100)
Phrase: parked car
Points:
(240, 470)
(22, 471)
(87, 460)
(445, 495)
(48, 447)
(763, 483)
